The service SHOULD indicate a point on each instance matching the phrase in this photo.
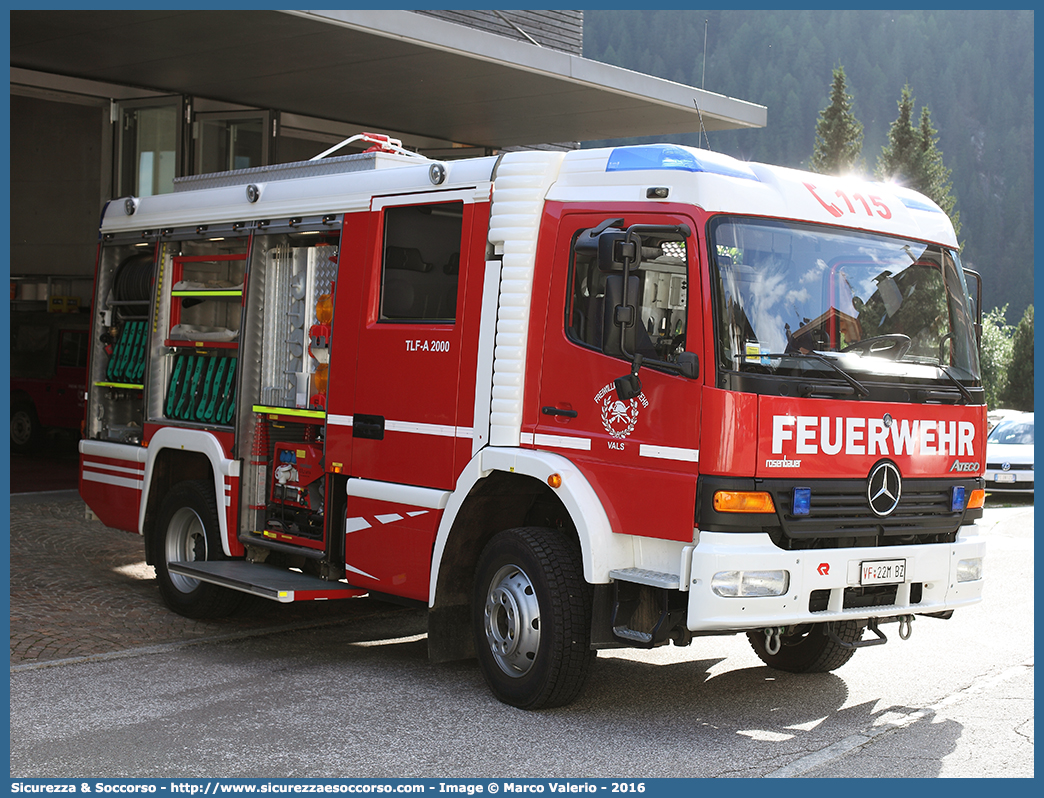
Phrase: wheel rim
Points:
(186, 542)
(512, 621)
(21, 428)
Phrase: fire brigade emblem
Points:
(618, 416)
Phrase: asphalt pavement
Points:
(105, 681)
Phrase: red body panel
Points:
(388, 546)
(729, 427)
(344, 341)
(112, 489)
(407, 374)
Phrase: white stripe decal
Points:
(670, 453)
(355, 525)
(526, 437)
(347, 567)
(562, 441)
(390, 518)
(109, 479)
(116, 451)
(338, 421)
(398, 494)
(140, 472)
(440, 430)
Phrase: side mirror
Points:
(976, 298)
(618, 316)
(689, 365)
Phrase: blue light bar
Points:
(957, 499)
(672, 157)
(917, 205)
(802, 504)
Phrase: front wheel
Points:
(531, 615)
(808, 648)
(187, 530)
(26, 431)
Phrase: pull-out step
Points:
(266, 581)
(648, 606)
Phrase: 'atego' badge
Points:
(618, 416)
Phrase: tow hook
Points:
(772, 641)
(905, 626)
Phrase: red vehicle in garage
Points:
(48, 374)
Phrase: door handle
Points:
(369, 427)
(557, 411)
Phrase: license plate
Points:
(1005, 477)
(882, 572)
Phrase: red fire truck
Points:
(566, 400)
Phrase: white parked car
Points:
(1009, 456)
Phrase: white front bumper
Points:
(934, 566)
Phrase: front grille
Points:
(1011, 466)
(840, 515)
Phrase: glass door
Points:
(233, 140)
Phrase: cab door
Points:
(640, 453)
(405, 422)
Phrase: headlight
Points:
(750, 583)
(969, 570)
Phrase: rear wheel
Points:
(25, 427)
(532, 618)
(808, 648)
(187, 530)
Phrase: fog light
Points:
(750, 583)
(969, 570)
(802, 501)
(957, 499)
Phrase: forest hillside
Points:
(973, 69)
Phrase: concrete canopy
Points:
(381, 70)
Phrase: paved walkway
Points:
(81, 589)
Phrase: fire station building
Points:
(107, 104)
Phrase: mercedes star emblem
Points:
(883, 488)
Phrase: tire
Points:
(531, 617)
(26, 432)
(187, 530)
(808, 648)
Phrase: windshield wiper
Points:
(861, 389)
(964, 391)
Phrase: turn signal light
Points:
(741, 501)
(555, 480)
(324, 309)
(321, 377)
(977, 499)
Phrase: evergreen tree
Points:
(899, 157)
(934, 177)
(912, 158)
(1018, 393)
(839, 135)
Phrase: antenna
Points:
(703, 130)
(703, 80)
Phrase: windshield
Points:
(868, 302)
(1014, 431)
